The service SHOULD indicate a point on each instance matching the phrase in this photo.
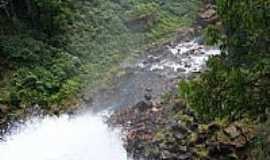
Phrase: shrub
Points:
(246, 24)
(229, 92)
(237, 83)
(260, 147)
(145, 14)
(24, 50)
(46, 85)
(212, 35)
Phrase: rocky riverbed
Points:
(155, 123)
(161, 126)
(158, 70)
(171, 131)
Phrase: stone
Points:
(87, 99)
(226, 148)
(208, 13)
(179, 136)
(143, 105)
(182, 148)
(187, 156)
(232, 131)
(148, 90)
(194, 126)
(184, 34)
(148, 97)
(3, 108)
(181, 70)
(187, 65)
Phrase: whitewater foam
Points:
(85, 137)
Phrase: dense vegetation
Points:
(237, 82)
(35, 68)
(106, 31)
(50, 49)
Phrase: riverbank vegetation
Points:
(50, 50)
(223, 113)
(237, 82)
(236, 85)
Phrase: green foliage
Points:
(146, 13)
(24, 50)
(46, 43)
(38, 69)
(102, 36)
(237, 83)
(261, 144)
(212, 35)
(229, 92)
(144, 10)
(247, 30)
(46, 85)
(55, 15)
(44, 75)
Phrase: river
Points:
(86, 136)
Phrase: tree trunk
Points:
(30, 12)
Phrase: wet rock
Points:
(152, 59)
(187, 156)
(182, 148)
(179, 136)
(181, 70)
(187, 65)
(148, 97)
(87, 99)
(148, 90)
(174, 132)
(144, 105)
(166, 155)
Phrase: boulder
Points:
(87, 99)
(184, 34)
(3, 109)
(143, 105)
(232, 131)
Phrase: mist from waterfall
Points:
(85, 137)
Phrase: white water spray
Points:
(186, 57)
(85, 137)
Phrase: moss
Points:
(201, 151)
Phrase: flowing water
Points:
(86, 136)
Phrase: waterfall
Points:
(85, 137)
